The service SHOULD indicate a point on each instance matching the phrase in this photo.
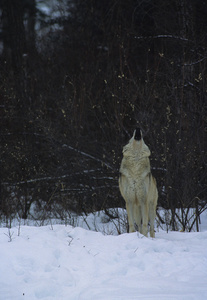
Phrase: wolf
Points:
(137, 185)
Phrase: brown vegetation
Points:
(71, 98)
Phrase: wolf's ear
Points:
(137, 134)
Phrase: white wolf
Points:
(137, 185)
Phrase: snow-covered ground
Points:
(58, 262)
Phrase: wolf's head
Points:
(137, 134)
(136, 146)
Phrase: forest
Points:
(76, 78)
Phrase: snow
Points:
(58, 262)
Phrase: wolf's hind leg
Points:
(152, 216)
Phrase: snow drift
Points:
(61, 262)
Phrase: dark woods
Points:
(75, 83)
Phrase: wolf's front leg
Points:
(145, 218)
(130, 214)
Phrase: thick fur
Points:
(138, 187)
